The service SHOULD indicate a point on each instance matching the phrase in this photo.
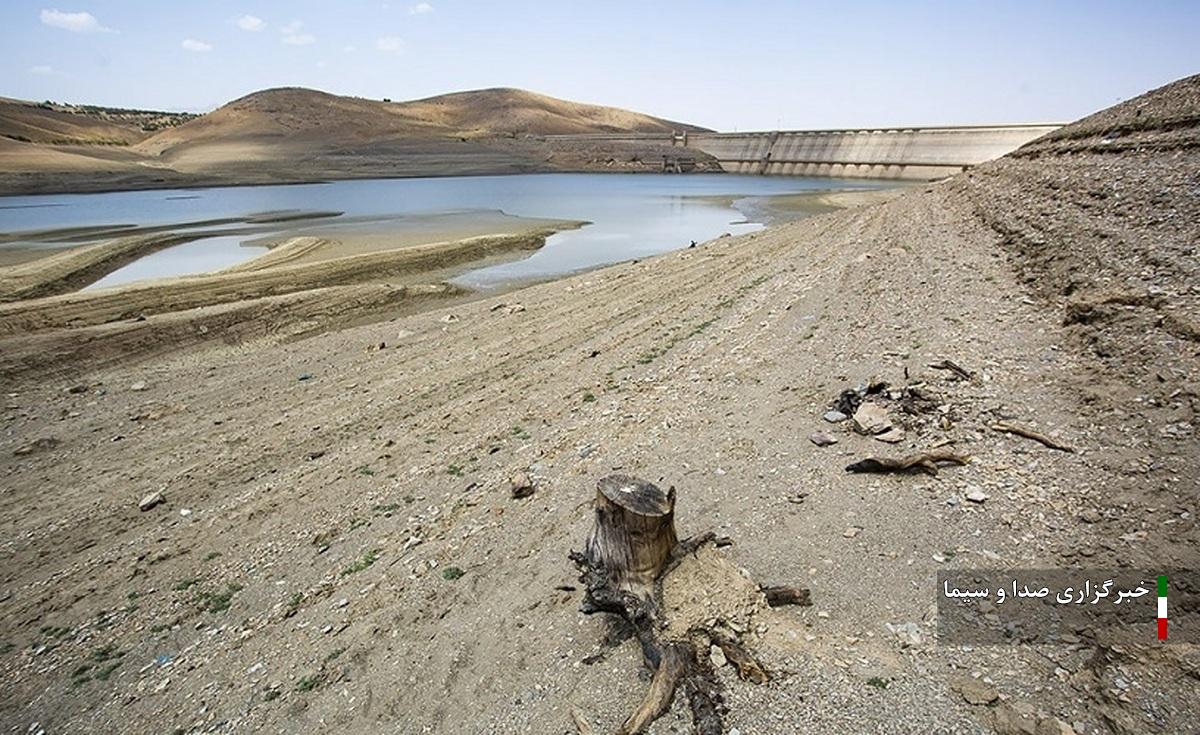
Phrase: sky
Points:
(725, 65)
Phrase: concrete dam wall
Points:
(877, 153)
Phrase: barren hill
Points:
(296, 134)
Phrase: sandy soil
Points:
(337, 550)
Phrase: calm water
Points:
(633, 215)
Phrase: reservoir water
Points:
(631, 215)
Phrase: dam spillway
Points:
(876, 153)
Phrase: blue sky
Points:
(727, 65)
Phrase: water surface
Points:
(631, 215)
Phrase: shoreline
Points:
(103, 188)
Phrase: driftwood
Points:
(953, 367)
(632, 547)
(1010, 428)
(926, 461)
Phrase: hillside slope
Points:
(338, 549)
(295, 134)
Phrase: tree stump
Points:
(633, 534)
(631, 549)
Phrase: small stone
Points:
(835, 417)
(516, 308)
(1090, 516)
(304, 376)
(717, 656)
(821, 439)
(851, 532)
(77, 389)
(448, 319)
(871, 419)
(341, 603)
(150, 501)
(891, 436)
(185, 512)
(520, 486)
(138, 386)
(975, 495)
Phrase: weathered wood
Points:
(781, 595)
(953, 367)
(748, 668)
(631, 548)
(927, 461)
(633, 534)
(673, 661)
(1009, 427)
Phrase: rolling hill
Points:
(295, 134)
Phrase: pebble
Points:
(150, 501)
(835, 417)
(821, 439)
(975, 495)
(717, 656)
(520, 486)
(138, 386)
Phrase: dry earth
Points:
(337, 550)
(288, 135)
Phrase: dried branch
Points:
(1010, 428)
(926, 461)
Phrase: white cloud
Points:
(251, 23)
(80, 22)
(349, 49)
(293, 37)
(41, 69)
(420, 9)
(390, 44)
(192, 44)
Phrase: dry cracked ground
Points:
(336, 548)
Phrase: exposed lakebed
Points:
(629, 216)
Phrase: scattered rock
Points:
(975, 691)
(891, 436)
(150, 501)
(138, 386)
(520, 486)
(851, 532)
(871, 419)
(77, 389)
(1054, 726)
(835, 417)
(821, 439)
(44, 444)
(448, 319)
(1090, 516)
(909, 634)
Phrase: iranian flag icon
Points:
(1162, 608)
